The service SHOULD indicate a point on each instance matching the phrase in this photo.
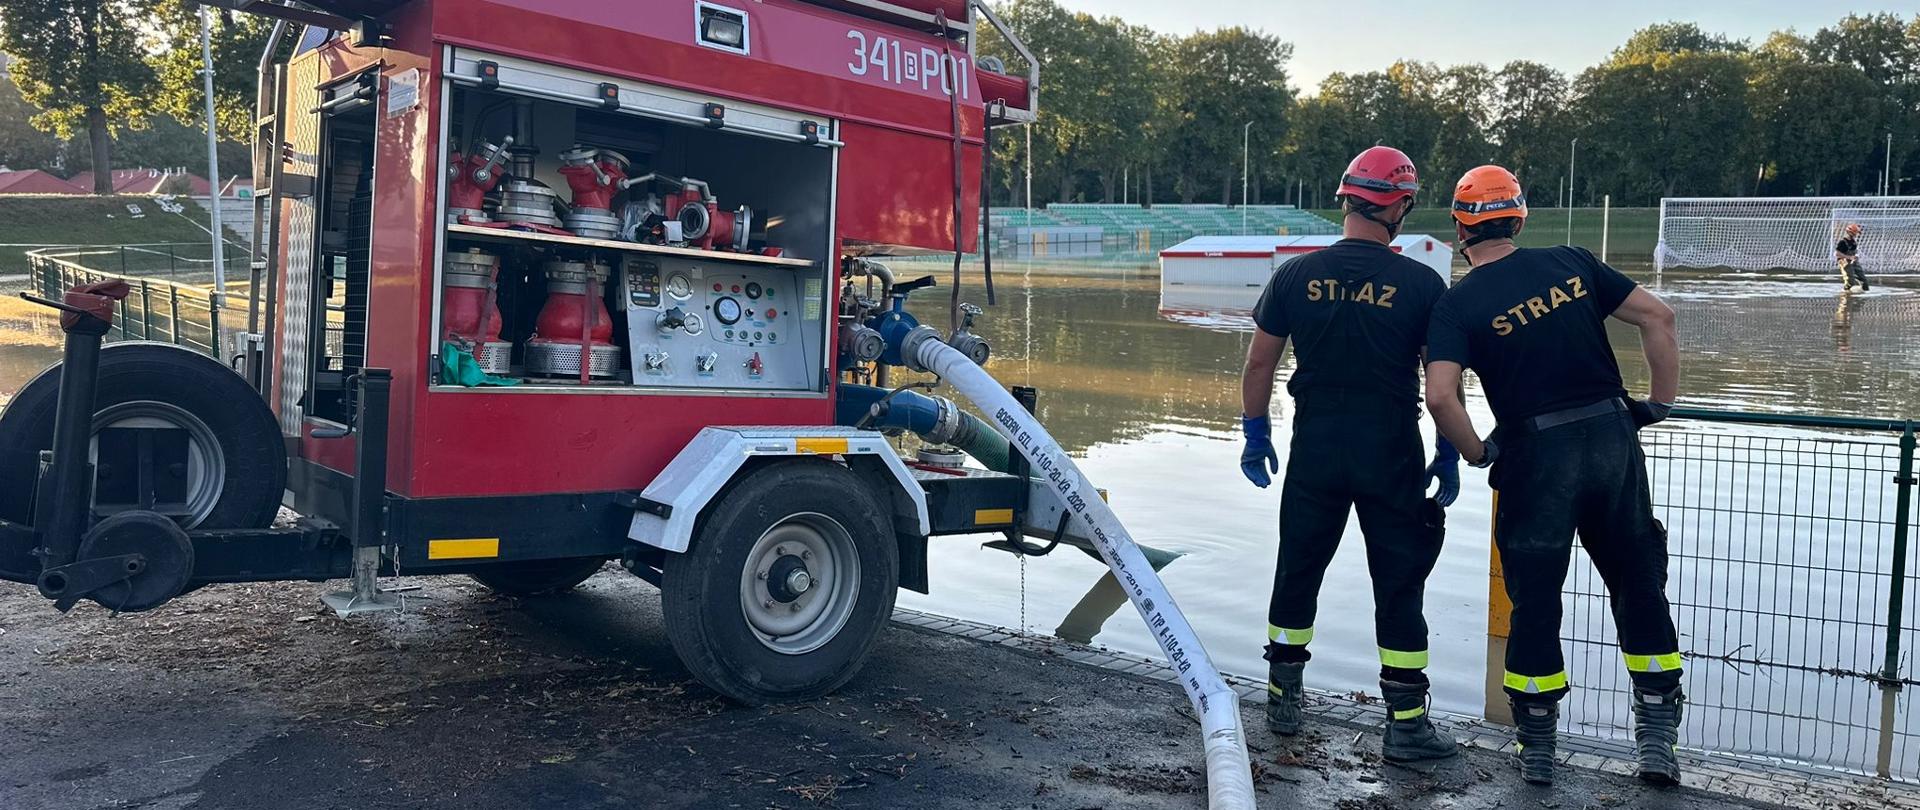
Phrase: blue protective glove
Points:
(1258, 460)
(1446, 467)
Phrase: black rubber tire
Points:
(537, 577)
(249, 435)
(700, 589)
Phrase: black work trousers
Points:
(1587, 478)
(1353, 454)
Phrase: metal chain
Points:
(1023, 594)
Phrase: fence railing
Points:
(184, 313)
(1790, 558)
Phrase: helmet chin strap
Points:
(1393, 228)
(1475, 240)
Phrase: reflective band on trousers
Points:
(1403, 659)
(1537, 684)
(1667, 662)
(1288, 635)
(1409, 714)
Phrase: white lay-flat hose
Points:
(1229, 773)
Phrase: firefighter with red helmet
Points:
(1566, 456)
(1847, 253)
(1356, 313)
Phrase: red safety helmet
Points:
(1853, 229)
(1382, 175)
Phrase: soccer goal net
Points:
(1787, 233)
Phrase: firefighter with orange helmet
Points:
(1847, 253)
(1565, 453)
(1356, 313)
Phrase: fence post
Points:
(173, 308)
(146, 311)
(1499, 627)
(1890, 680)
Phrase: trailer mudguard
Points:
(716, 454)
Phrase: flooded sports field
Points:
(1148, 396)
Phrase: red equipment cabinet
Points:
(878, 88)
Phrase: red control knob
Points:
(771, 314)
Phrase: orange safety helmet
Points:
(1488, 193)
(1853, 229)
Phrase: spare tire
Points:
(237, 461)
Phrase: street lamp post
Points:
(1886, 174)
(213, 168)
(1573, 154)
(1246, 171)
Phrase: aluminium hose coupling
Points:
(915, 342)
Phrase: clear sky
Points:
(1356, 35)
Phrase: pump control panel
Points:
(716, 324)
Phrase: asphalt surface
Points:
(255, 697)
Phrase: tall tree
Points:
(1669, 119)
(1226, 79)
(1814, 121)
(80, 62)
(1886, 50)
(1531, 123)
(237, 40)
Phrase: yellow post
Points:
(1499, 626)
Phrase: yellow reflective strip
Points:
(820, 446)
(992, 517)
(1409, 714)
(466, 549)
(1288, 635)
(1665, 662)
(1535, 685)
(1403, 659)
(1274, 689)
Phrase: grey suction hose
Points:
(1229, 772)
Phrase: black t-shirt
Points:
(1357, 315)
(1533, 326)
(1846, 247)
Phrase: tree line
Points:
(115, 83)
(1132, 115)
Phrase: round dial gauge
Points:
(753, 290)
(694, 324)
(679, 287)
(727, 309)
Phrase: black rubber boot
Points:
(1410, 733)
(1536, 726)
(1285, 694)
(1656, 730)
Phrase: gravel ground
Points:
(256, 697)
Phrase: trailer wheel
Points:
(537, 577)
(790, 578)
(226, 460)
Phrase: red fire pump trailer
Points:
(550, 283)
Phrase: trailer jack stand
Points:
(365, 596)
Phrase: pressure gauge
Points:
(694, 325)
(727, 309)
(679, 287)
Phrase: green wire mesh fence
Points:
(1788, 574)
